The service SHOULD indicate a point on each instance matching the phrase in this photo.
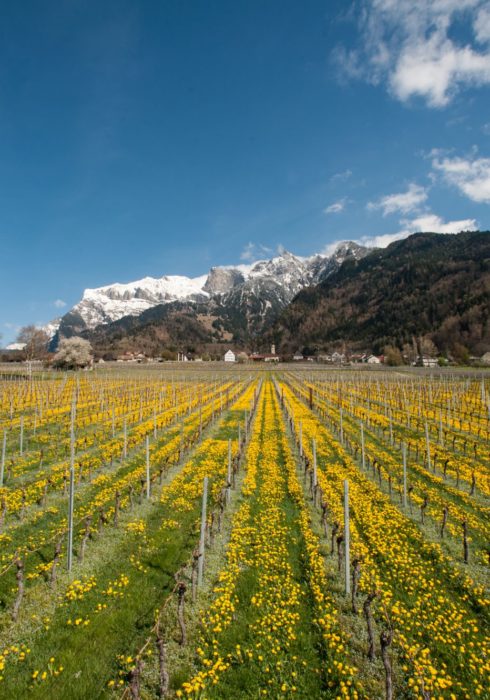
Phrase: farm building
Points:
(429, 361)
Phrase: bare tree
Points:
(73, 353)
(410, 352)
(393, 356)
(428, 347)
(36, 342)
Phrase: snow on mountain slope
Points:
(287, 270)
(112, 302)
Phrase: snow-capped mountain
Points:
(262, 288)
(322, 266)
(110, 303)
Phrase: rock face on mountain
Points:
(347, 250)
(223, 279)
(242, 299)
(427, 286)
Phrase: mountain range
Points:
(235, 302)
(429, 286)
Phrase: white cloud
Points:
(382, 240)
(59, 303)
(254, 251)
(433, 70)
(341, 177)
(336, 207)
(482, 25)
(426, 223)
(435, 224)
(403, 202)
(470, 175)
(410, 46)
(248, 253)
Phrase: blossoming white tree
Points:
(73, 353)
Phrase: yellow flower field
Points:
(263, 588)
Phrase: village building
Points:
(258, 357)
(271, 358)
(324, 358)
(358, 357)
(267, 357)
(429, 361)
(126, 357)
(229, 356)
(138, 357)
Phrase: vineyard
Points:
(240, 533)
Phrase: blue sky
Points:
(163, 137)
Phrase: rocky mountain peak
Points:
(223, 279)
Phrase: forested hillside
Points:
(431, 285)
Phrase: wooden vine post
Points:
(427, 443)
(445, 513)
(21, 439)
(228, 474)
(164, 678)
(315, 476)
(347, 537)
(202, 539)
(356, 575)
(465, 541)
(404, 455)
(363, 447)
(148, 492)
(2, 463)
(368, 615)
(125, 446)
(180, 612)
(385, 639)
